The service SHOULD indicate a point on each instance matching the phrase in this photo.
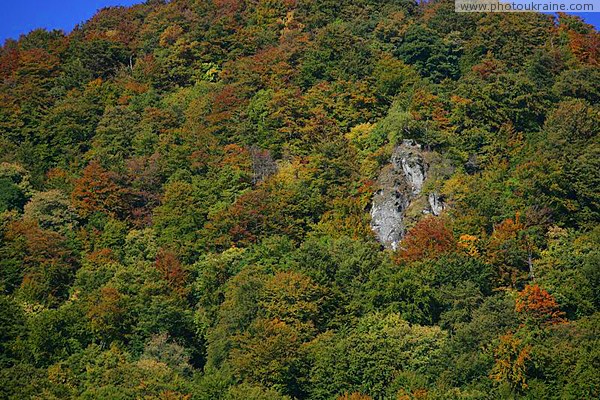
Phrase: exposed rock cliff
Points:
(400, 183)
(436, 205)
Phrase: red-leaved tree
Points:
(429, 238)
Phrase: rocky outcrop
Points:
(436, 205)
(400, 183)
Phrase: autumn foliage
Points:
(511, 358)
(170, 269)
(537, 305)
(99, 190)
(188, 201)
(430, 237)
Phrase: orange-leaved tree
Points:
(99, 190)
(171, 270)
(510, 250)
(537, 306)
(511, 357)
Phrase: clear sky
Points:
(21, 16)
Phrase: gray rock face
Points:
(413, 167)
(399, 183)
(436, 205)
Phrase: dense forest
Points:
(188, 189)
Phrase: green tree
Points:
(369, 357)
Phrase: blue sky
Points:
(21, 16)
(591, 18)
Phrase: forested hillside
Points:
(193, 200)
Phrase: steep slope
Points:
(300, 199)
